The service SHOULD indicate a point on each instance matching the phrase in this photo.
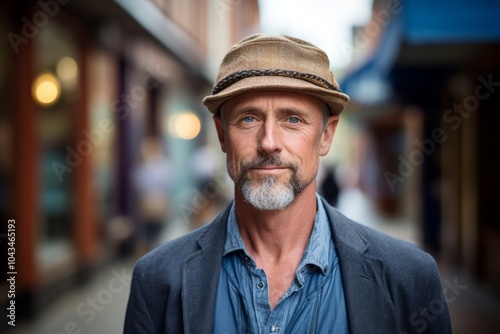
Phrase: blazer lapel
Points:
(201, 277)
(365, 288)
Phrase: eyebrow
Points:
(282, 111)
(295, 111)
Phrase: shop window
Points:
(55, 90)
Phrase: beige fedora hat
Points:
(276, 62)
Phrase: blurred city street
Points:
(106, 148)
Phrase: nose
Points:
(270, 138)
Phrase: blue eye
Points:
(294, 120)
(248, 119)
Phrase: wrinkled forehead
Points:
(265, 101)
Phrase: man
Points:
(279, 259)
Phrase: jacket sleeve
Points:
(138, 318)
(430, 313)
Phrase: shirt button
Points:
(274, 328)
(260, 285)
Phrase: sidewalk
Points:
(98, 307)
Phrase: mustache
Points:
(271, 160)
(265, 162)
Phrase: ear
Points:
(327, 135)
(221, 133)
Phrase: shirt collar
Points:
(233, 237)
(317, 249)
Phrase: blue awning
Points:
(445, 21)
(421, 22)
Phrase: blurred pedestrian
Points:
(152, 180)
(328, 187)
(203, 163)
(280, 259)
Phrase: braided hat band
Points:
(240, 75)
(276, 63)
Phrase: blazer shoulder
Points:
(172, 254)
(399, 254)
(396, 254)
(184, 244)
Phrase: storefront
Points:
(434, 66)
(82, 87)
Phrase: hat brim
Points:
(335, 100)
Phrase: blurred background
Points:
(106, 149)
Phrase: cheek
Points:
(240, 146)
(235, 154)
(232, 163)
(309, 167)
(306, 153)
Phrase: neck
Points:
(275, 235)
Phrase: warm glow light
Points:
(67, 68)
(185, 125)
(46, 89)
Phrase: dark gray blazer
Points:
(391, 286)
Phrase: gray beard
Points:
(266, 193)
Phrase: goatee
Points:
(265, 192)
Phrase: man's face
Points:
(273, 141)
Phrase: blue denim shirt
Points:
(314, 303)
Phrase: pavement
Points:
(99, 306)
